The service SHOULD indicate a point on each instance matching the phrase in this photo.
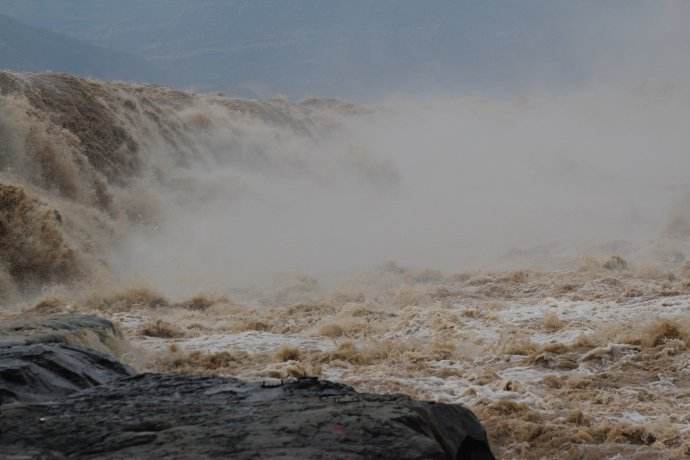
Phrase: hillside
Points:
(346, 49)
(29, 48)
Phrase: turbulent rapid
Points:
(270, 239)
(88, 166)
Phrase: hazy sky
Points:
(363, 48)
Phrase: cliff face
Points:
(83, 161)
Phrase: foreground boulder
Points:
(61, 400)
(46, 359)
(43, 372)
(87, 331)
(176, 416)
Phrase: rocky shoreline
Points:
(62, 395)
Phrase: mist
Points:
(486, 175)
(453, 183)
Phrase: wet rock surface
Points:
(42, 372)
(175, 416)
(59, 400)
(41, 360)
(67, 329)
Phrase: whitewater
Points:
(525, 256)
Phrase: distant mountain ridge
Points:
(356, 49)
(311, 47)
(28, 48)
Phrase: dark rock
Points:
(66, 329)
(40, 360)
(59, 399)
(42, 372)
(175, 416)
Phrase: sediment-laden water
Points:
(250, 238)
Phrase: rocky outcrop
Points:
(44, 372)
(88, 331)
(45, 360)
(175, 416)
(60, 400)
